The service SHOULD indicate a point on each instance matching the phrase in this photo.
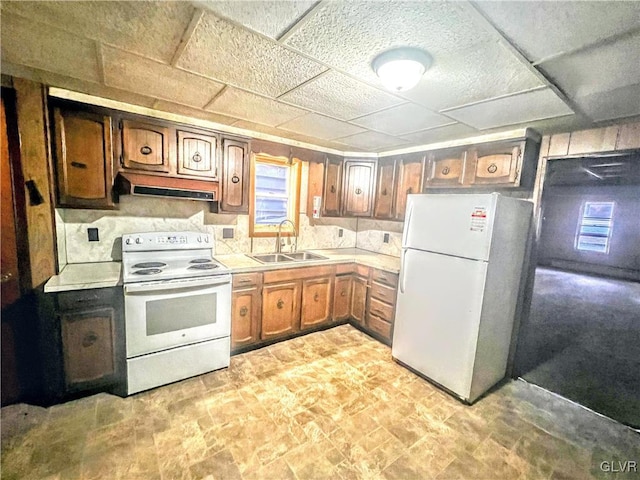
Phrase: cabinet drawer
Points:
(344, 268)
(81, 298)
(378, 325)
(361, 270)
(242, 280)
(387, 278)
(383, 292)
(380, 309)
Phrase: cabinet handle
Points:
(196, 157)
(446, 170)
(235, 179)
(384, 192)
(244, 282)
(333, 189)
(493, 168)
(316, 297)
(146, 150)
(409, 190)
(243, 311)
(280, 304)
(358, 191)
(343, 293)
(89, 339)
(6, 277)
(78, 165)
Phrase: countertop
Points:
(82, 276)
(241, 263)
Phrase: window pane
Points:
(594, 229)
(271, 196)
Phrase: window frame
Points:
(295, 178)
(591, 221)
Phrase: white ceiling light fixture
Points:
(400, 69)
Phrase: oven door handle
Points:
(176, 285)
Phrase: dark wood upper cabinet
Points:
(446, 168)
(332, 186)
(145, 146)
(409, 180)
(83, 157)
(497, 163)
(197, 154)
(235, 176)
(357, 193)
(385, 187)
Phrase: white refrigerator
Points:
(462, 258)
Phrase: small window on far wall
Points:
(594, 228)
(275, 195)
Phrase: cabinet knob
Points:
(446, 170)
(316, 297)
(384, 192)
(243, 311)
(358, 191)
(196, 157)
(333, 189)
(493, 168)
(409, 190)
(6, 277)
(343, 293)
(280, 304)
(89, 339)
(146, 150)
(78, 164)
(235, 179)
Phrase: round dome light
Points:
(400, 69)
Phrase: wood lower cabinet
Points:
(83, 154)
(359, 298)
(342, 297)
(357, 188)
(280, 309)
(235, 176)
(245, 313)
(144, 146)
(197, 154)
(316, 301)
(381, 304)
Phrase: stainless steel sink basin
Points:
(287, 257)
(301, 256)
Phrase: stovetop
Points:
(168, 256)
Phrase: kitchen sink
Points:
(287, 257)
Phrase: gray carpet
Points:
(582, 340)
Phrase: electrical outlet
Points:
(340, 232)
(385, 238)
(227, 233)
(92, 233)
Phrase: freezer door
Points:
(458, 225)
(437, 317)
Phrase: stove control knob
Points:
(206, 239)
(138, 240)
(199, 239)
(128, 241)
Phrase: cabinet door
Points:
(245, 317)
(359, 299)
(235, 176)
(332, 187)
(342, 298)
(280, 309)
(197, 154)
(446, 169)
(84, 158)
(88, 346)
(358, 188)
(316, 301)
(497, 163)
(144, 146)
(385, 182)
(410, 172)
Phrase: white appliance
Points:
(462, 258)
(177, 301)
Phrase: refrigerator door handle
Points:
(402, 270)
(407, 225)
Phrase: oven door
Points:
(167, 314)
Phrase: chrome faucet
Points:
(294, 247)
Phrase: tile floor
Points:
(328, 405)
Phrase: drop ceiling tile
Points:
(138, 74)
(40, 46)
(151, 29)
(402, 119)
(619, 103)
(599, 69)
(177, 109)
(271, 18)
(441, 134)
(348, 35)
(233, 55)
(315, 125)
(258, 127)
(249, 106)
(479, 73)
(339, 96)
(524, 107)
(566, 25)
(371, 141)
